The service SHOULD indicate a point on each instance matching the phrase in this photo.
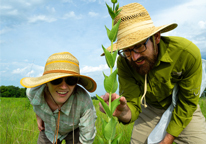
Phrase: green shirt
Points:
(79, 105)
(179, 61)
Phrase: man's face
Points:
(145, 61)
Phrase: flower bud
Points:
(114, 1)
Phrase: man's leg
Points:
(195, 132)
(145, 123)
(42, 139)
(69, 137)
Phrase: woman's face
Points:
(60, 92)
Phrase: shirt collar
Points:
(38, 93)
(66, 108)
(163, 55)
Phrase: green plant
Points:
(110, 82)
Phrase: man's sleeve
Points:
(129, 88)
(189, 90)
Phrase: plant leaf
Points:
(109, 58)
(108, 32)
(104, 123)
(101, 141)
(105, 106)
(111, 12)
(105, 76)
(115, 103)
(117, 12)
(110, 82)
(110, 129)
(117, 7)
(117, 139)
(114, 30)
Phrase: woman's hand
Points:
(40, 123)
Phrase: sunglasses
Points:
(69, 80)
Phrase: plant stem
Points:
(111, 69)
(110, 101)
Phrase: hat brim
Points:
(30, 82)
(139, 36)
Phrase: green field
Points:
(18, 122)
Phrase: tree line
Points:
(12, 91)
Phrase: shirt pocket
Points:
(162, 87)
(67, 126)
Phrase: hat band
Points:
(134, 27)
(60, 71)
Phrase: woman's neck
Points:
(50, 100)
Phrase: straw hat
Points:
(136, 26)
(60, 65)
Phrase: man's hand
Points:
(40, 123)
(168, 139)
(122, 112)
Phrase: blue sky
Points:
(32, 30)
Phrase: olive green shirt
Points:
(179, 61)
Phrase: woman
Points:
(64, 110)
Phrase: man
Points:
(149, 66)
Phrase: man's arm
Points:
(189, 89)
(168, 139)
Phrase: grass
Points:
(18, 122)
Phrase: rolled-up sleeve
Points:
(87, 123)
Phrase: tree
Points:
(12, 91)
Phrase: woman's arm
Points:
(40, 123)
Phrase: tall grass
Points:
(18, 122)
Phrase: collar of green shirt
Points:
(163, 54)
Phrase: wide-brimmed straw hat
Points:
(60, 65)
(136, 26)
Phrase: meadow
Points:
(18, 122)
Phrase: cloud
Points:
(51, 9)
(87, 69)
(93, 14)
(19, 70)
(188, 12)
(202, 24)
(71, 15)
(29, 73)
(190, 19)
(34, 19)
(14, 13)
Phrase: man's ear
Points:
(157, 37)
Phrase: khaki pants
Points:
(194, 133)
(42, 139)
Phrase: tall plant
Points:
(110, 82)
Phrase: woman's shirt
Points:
(78, 109)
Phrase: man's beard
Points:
(146, 67)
